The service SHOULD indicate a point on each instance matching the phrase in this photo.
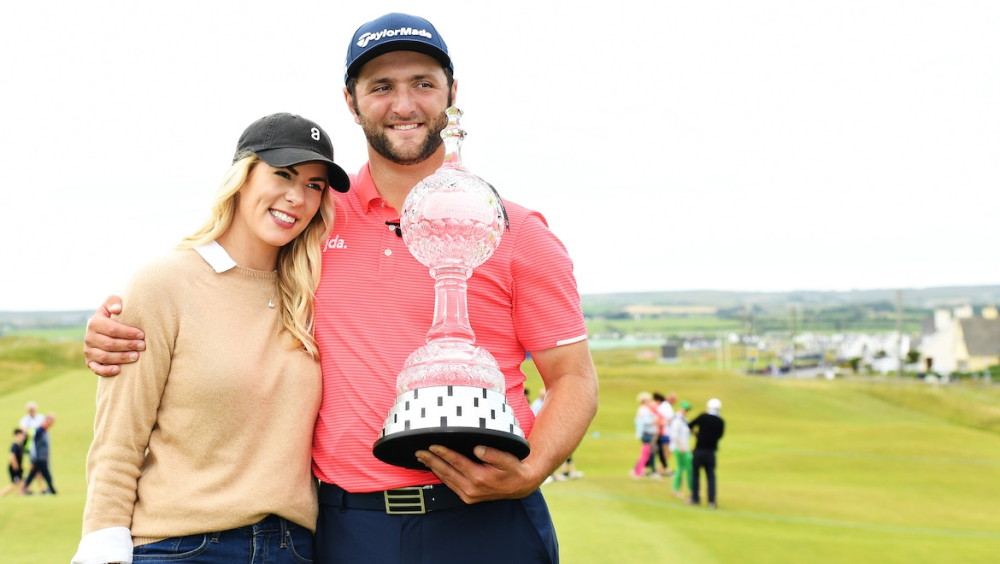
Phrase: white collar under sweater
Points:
(216, 256)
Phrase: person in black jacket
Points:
(15, 466)
(708, 427)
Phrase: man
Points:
(374, 306)
(30, 423)
(708, 427)
(40, 457)
(32, 419)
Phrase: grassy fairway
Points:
(809, 471)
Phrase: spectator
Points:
(14, 466)
(31, 421)
(709, 428)
(647, 430)
(536, 405)
(680, 445)
(40, 457)
(664, 407)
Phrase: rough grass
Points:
(29, 360)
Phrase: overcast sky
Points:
(767, 145)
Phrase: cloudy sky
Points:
(769, 145)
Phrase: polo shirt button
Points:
(388, 252)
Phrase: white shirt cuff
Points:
(104, 546)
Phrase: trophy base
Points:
(399, 448)
(457, 417)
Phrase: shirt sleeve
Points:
(104, 546)
(126, 412)
(547, 310)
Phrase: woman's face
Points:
(274, 206)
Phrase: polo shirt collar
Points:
(365, 188)
(216, 256)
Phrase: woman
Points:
(647, 430)
(202, 453)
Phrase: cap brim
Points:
(336, 177)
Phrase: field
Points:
(809, 471)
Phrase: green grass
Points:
(47, 528)
(809, 471)
(74, 333)
(29, 360)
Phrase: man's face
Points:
(399, 102)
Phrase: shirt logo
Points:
(368, 36)
(335, 243)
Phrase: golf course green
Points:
(809, 470)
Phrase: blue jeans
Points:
(272, 541)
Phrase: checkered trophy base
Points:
(456, 417)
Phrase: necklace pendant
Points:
(270, 304)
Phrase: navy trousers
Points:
(703, 459)
(40, 466)
(495, 532)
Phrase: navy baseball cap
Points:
(394, 32)
(284, 139)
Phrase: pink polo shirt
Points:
(375, 304)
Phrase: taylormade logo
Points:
(368, 37)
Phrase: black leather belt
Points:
(401, 501)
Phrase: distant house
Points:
(964, 344)
(978, 343)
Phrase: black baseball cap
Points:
(285, 139)
(394, 32)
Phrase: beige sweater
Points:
(212, 428)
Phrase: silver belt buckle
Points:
(405, 501)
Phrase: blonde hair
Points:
(299, 262)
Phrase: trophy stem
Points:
(451, 313)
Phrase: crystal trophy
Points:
(450, 392)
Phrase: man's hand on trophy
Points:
(500, 475)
